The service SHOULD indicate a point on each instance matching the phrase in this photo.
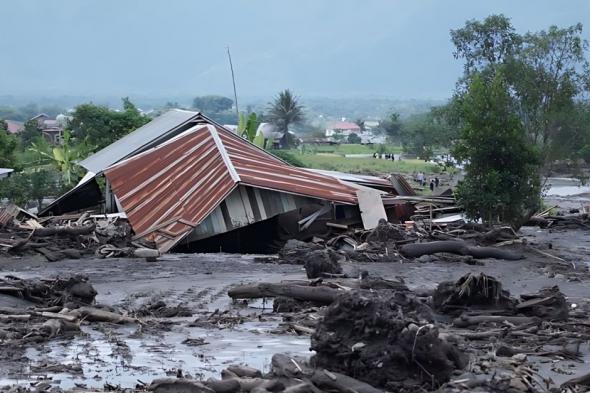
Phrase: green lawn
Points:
(343, 149)
(335, 162)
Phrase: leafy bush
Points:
(288, 157)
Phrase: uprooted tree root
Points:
(471, 290)
(383, 337)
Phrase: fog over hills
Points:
(157, 50)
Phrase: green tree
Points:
(392, 127)
(29, 133)
(502, 182)
(354, 138)
(485, 44)
(23, 187)
(212, 104)
(360, 123)
(419, 136)
(8, 144)
(100, 126)
(547, 72)
(285, 110)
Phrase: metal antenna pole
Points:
(233, 79)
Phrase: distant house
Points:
(40, 119)
(51, 129)
(344, 128)
(371, 125)
(14, 127)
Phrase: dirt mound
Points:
(296, 252)
(383, 337)
(319, 262)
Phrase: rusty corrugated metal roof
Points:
(170, 189)
(8, 214)
(259, 168)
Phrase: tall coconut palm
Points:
(285, 110)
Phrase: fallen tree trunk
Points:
(536, 221)
(466, 321)
(64, 231)
(325, 379)
(321, 295)
(457, 247)
(97, 315)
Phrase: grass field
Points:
(337, 162)
(351, 149)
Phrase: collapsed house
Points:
(186, 183)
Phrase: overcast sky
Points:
(167, 48)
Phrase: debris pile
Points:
(72, 291)
(70, 236)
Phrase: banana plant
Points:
(247, 126)
(64, 157)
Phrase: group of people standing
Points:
(420, 178)
(387, 156)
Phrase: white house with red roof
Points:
(343, 127)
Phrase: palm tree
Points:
(285, 110)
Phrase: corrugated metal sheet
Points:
(162, 127)
(259, 168)
(402, 186)
(170, 189)
(365, 180)
(247, 205)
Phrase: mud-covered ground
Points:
(125, 354)
(121, 355)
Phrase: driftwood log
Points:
(92, 314)
(64, 231)
(320, 295)
(466, 321)
(328, 380)
(457, 247)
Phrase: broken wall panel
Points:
(233, 212)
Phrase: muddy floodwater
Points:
(567, 193)
(122, 355)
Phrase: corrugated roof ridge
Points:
(221, 147)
